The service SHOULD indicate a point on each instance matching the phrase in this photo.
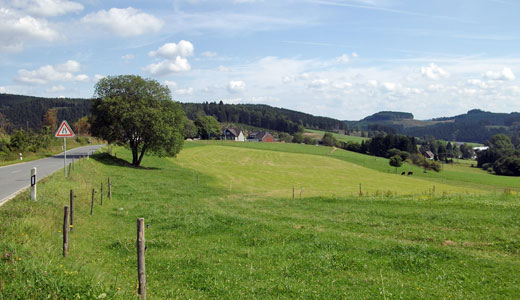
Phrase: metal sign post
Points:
(65, 132)
(65, 156)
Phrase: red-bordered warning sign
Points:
(64, 131)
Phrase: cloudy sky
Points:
(340, 58)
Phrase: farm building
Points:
(260, 136)
(233, 134)
(429, 155)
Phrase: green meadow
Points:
(318, 134)
(222, 224)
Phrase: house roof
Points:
(430, 154)
(233, 131)
(258, 135)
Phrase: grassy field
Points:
(253, 241)
(459, 174)
(318, 134)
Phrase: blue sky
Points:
(343, 59)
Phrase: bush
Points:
(297, 138)
(310, 141)
(509, 166)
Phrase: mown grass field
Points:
(318, 134)
(461, 175)
(253, 241)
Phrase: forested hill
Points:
(259, 115)
(18, 110)
(388, 116)
(474, 126)
(21, 111)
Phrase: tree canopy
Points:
(208, 127)
(140, 112)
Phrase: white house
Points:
(233, 134)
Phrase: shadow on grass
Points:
(108, 159)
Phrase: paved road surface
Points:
(15, 178)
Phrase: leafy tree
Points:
(81, 126)
(328, 139)
(297, 138)
(396, 161)
(50, 119)
(20, 140)
(500, 142)
(190, 130)
(208, 127)
(507, 165)
(140, 112)
(309, 140)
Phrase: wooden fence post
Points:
(293, 192)
(360, 191)
(101, 193)
(69, 168)
(141, 272)
(66, 231)
(109, 189)
(71, 210)
(92, 203)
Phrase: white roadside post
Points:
(20, 155)
(65, 132)
(33, 184)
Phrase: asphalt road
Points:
(16, 178)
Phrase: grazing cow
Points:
(403, 173)
(410, 173)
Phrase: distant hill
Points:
(22, 111)
(263, 116)
(389, 116)
(474, 126)
(27, 110)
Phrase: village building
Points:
(260, 136)
(429, 155)
(233, 134)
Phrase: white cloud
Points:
(47, 8)
(170, 84)
(342, 85)
(505, 74)
(127, 57)
(187, 91)
(71, 66)
(3, 90)
(15, 29)
(319, 83)
(56, 89)
(343, 59)
(478, 82)
(48, 73)
(514, 89)
(434, 72)
(236, 86)
(169, 66)
(172, 50)
(355, 55)
(124, 21)
(209, 54)
(223, 69)
(98, 77)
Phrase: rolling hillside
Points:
(221, 223)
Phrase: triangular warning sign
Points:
(64, 130)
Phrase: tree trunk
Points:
(135, 153)
(141, 156)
